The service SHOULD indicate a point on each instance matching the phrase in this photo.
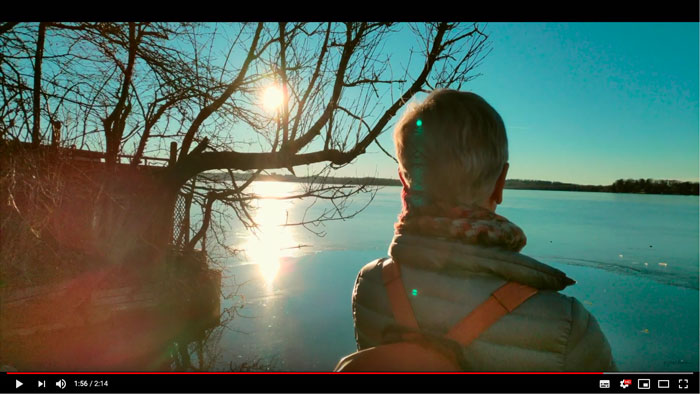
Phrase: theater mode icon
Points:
(624, 383)
(604, 384)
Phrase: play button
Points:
(17, 383)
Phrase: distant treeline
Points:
(291, 178)
(548, 185)
(642, 186)
(653, 186)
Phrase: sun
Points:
(273, 98)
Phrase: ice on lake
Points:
(634, 257)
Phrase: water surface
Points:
(635, 259)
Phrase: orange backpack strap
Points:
(501, 302)
(400, 305)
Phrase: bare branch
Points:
(233, 86)
(7, 26)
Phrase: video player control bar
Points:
(211, 382)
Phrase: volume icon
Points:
(61, 384)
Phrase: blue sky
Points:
(588, 102)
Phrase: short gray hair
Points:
(451, 147)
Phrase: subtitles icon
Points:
(643, 384)
(604, 384)
(624, 383)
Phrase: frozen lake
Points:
(635, 258)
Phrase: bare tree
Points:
(190, 93)
(138, 89)
(132, 89)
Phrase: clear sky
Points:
(588, 103)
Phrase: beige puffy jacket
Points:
(445, 280)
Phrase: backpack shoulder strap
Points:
(501, 302)
(400, 304)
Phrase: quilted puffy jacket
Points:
(446, 280)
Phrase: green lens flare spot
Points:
(419, 123)
(414, 292)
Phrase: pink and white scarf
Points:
(468, 224)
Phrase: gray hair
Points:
(451, 147)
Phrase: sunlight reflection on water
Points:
(273, 241)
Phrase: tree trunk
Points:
(39, 55)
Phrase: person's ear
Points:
(403, 181)
(497, 195)
(404, 193)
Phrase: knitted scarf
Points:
(469, 224)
